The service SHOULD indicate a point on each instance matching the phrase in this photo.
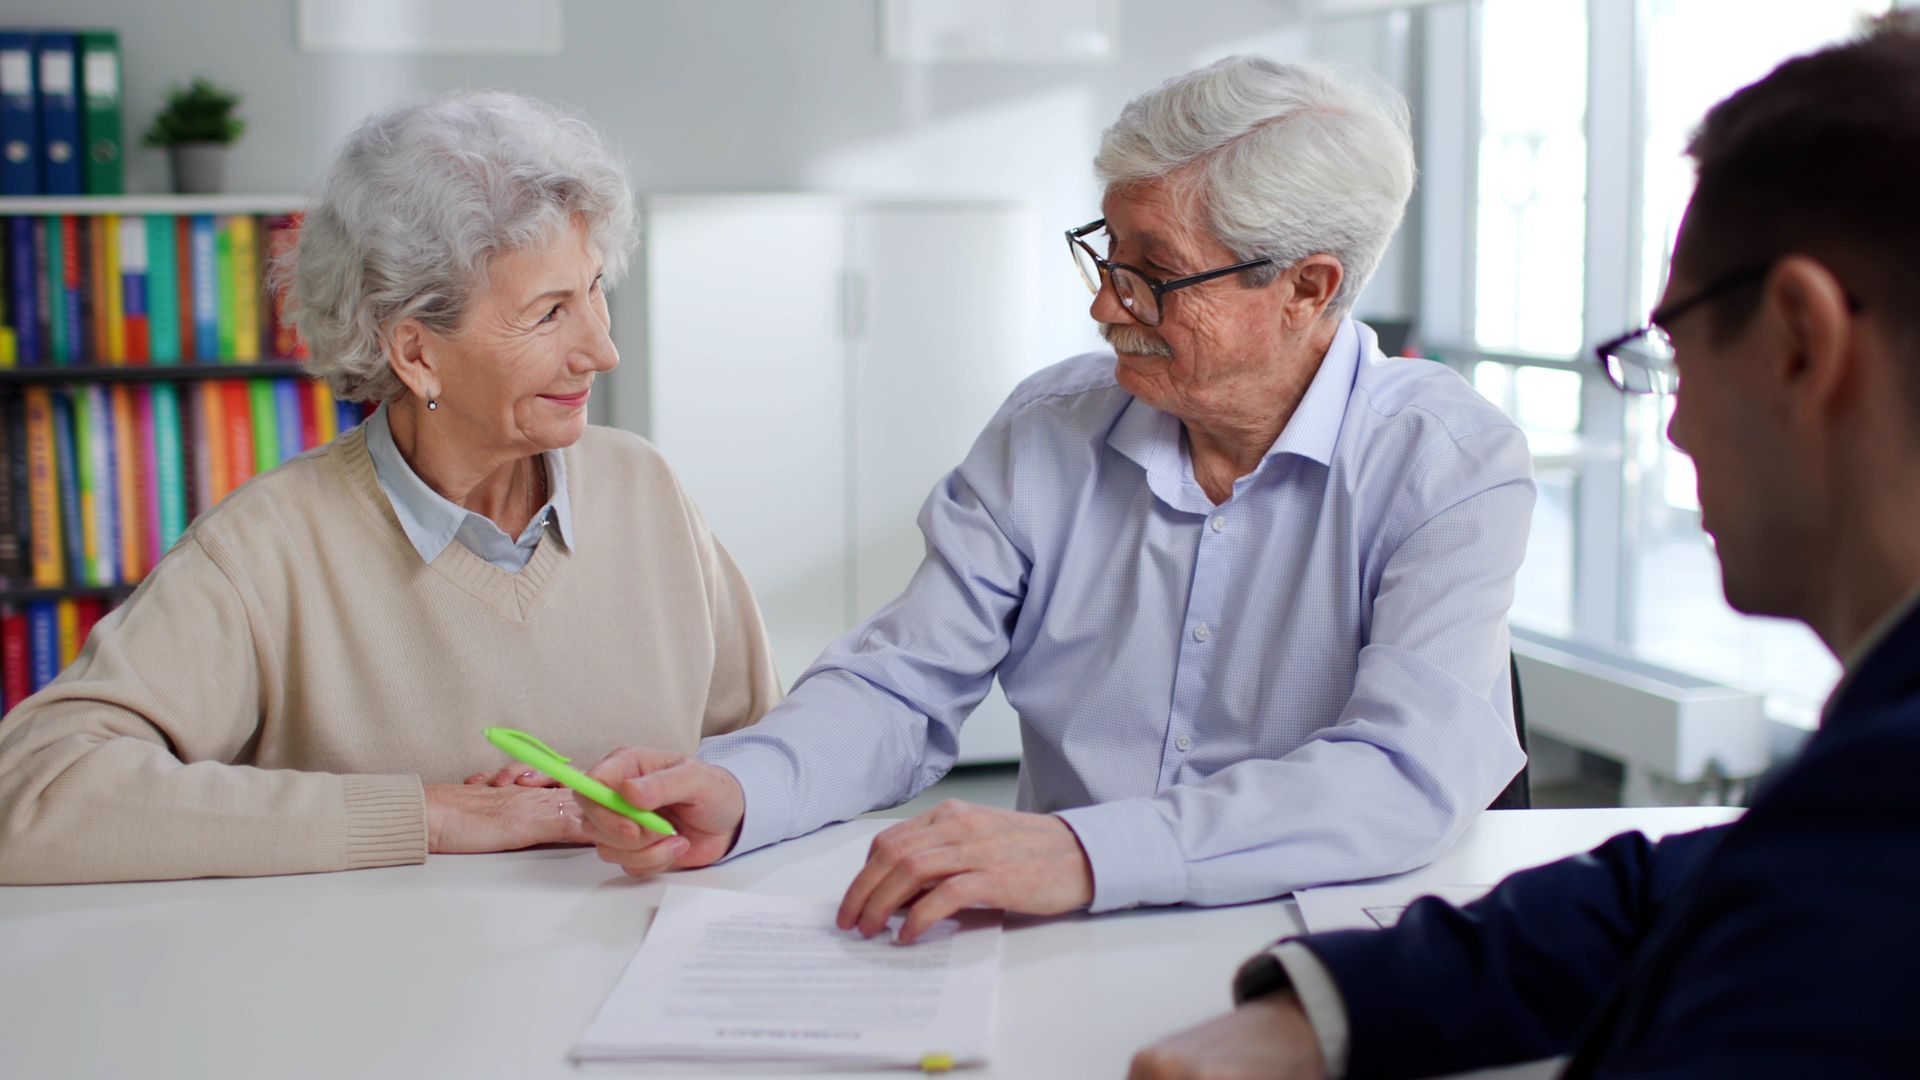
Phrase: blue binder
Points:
(19, 116)
(61, 168)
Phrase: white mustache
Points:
(1133, 340)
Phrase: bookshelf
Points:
(145, 372)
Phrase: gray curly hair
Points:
(418, 202)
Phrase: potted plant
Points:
(196, 127)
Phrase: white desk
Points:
(491, 965)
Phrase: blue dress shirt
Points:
(1304, 684)
(432, 521)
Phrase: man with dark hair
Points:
(1784, 944)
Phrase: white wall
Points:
(735, 95)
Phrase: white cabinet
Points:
(812, 365)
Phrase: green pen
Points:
(528, 750)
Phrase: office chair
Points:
(1519, 792)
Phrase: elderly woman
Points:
(300, 685)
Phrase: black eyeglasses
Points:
(1641, 361)
(1140, 293)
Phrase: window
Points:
(1573, 174)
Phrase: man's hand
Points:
(1268, 1037)
(463, 818)
(959, 855)
(704, 802)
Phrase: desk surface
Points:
(491, 965)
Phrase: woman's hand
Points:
(471, 818)
(512, 774)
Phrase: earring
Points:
(432, 404)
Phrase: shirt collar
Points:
(431, 520)
(1153, 439)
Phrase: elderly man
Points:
(1245, 579)
(1781, 945)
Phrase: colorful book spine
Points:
(133, 289)
(87, 611)
(21, 292)
(286, 407)
(16, 673)
(169, 464)
(130, 464)
(114, 349)
(42, 291)
(163, 299)
(43, 643)
(194, 454)
(87, 450)
(59, 346)
(66, 473)
(43, 489)
(53, 265)
(326, 415)
(19, 514)
(106, 571)
(9, 343)
(67, 625)
(72, 257)
(265, 413)
(206, 288)
(247, 289)
(147, 447)
(218, 476)
(81, 256)
(13, 439)
(227, 291)
(183, 285)
(237, 405)
(97, 274)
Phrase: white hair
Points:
(1287, 160)
(418, 202)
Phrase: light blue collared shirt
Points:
(432, 521)
(1305, 684)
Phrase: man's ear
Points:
(411, 355)
(1316, 280)
(1807, 308)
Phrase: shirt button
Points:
(1201, 633)
(1183, 743)
(1219, 522)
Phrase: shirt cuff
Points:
(1132, 852)
(1320, 999)
(765, 776)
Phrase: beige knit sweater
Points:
(274, 696)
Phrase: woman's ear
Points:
(411, 355)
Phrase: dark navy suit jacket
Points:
(1785, 944)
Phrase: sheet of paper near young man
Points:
(738, 978)
(1373, 906)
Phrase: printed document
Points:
(739, 978)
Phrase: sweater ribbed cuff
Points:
(386, 821)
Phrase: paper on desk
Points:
(729, 977)
(1374, 905)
